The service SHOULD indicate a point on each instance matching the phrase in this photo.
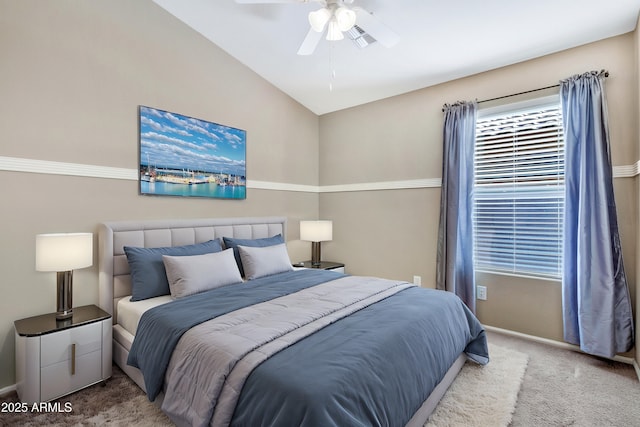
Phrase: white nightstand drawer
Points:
(70, 375)
(58, 347)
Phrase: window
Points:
(519, 189)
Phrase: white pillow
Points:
(264, 261)
(188, 275)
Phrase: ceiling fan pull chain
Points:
(332, 69)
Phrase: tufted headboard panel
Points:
(115, 280)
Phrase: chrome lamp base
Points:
(315, 253)
(64, 295)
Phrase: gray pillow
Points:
(148, 277)
(232, 242)
(188, 275)
(264, 261)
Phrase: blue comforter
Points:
(374, 367)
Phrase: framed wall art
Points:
(185, 156)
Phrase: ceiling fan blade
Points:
(376, 28)
(310, 42)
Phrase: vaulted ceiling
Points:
(439, 41)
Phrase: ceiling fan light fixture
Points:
(333, 32)
(345, 17)
(319, 18)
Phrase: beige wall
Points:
(393, 233)
(73, 74)
(636, 57)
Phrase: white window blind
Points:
(519, 191)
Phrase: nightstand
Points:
(57, 357)
(325, 265)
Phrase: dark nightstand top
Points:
(324, 265)
(47, 323)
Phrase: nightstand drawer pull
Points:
(88, 338)
(73, 359)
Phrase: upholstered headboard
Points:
(115, 281)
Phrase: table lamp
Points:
(62, 253)
(316, 232)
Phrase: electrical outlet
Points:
(417, 280)
(481, 292)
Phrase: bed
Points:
(367, 351)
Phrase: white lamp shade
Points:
(319, 19)
(64, 251)
(316, 231)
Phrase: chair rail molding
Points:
(48, 167)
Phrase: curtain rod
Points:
(604, 72)
(519, 93)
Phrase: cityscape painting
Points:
(183, 156)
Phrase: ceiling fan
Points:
(336, 18)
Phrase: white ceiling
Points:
(439, 41)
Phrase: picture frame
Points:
(189, 157)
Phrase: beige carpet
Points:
(567, 388)
(480, 396)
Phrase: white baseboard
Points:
(8, 389)
(637, 368)
(559, 344)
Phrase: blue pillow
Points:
(148, 276)
(230, 242)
